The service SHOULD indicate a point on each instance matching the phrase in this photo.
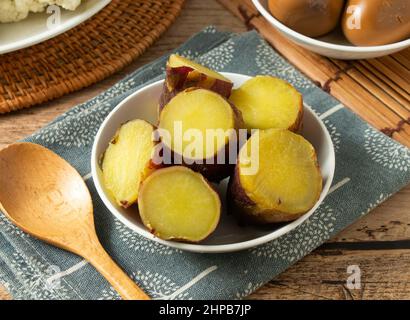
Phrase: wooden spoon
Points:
(46, 197)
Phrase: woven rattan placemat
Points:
(92, 51)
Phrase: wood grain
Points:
(379, 244)
(322, 273)
(389, 222)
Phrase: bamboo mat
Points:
(84, 55)
(378, 90)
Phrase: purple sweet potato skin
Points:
(181, 78)
(212, 171)
(238, 200)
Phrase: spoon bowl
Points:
(43, 195)
(46, 197)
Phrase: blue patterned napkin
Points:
(370, 167)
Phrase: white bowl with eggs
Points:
(228, 236)
(332, 45)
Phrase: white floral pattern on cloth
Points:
(138, 243)
(313, 108)
(119, 89)
(158, 286)
(271, 63)
(80, 133)
(7, 226)
(109, 294)
(334, 134)
(33, 276)
(116, 90)
(155, 285)
(219, 57)
(210, 30)
(248, 290)
(386, 152)
(189, 54)
(74, 131)
(293, 246)
(376, 203)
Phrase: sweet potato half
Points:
(287, 183)
(202, 132)
(267, 102)
(177, 203)
(127, 161)
(182, 73)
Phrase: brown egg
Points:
(376, 22)
(312, 18)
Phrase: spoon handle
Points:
(121, 282)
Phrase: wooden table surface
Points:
(379, 243)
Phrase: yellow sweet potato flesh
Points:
(201, 110)
(127, 161)
(288, 182)
(182, 73)
(177, 203)
(176, 61)
(267, 102)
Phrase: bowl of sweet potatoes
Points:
(212, 162)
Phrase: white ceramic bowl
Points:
(228, 236)
(333, 45)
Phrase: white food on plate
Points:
(16, 10)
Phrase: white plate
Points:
(333, 45)
(33, 30)
(228, 236)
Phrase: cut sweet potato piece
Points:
(182, 73)
(286, 185)
(127, 161)
(202, 128)
(267, 102)
(177, 203)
